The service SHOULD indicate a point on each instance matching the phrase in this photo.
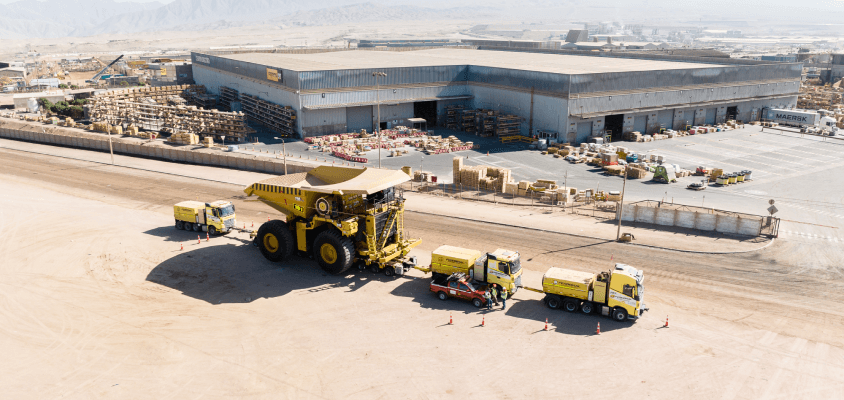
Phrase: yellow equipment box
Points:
(449, 259)
(190, 211)
(565, 282)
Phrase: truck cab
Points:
(501, 267)
(619, 288)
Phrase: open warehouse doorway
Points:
(426, 110)
(614, 124)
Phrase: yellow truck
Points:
(214, 218)
(618, 293)
(502, 267)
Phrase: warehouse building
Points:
(574, 95)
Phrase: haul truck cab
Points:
(502, 267)
(214, 218)
(618, 293)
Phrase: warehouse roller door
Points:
(666, 119)
(710, 116)
(358, 118)
(640, 124)
(584, 131)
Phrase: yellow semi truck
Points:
(502, 267)
(214, 218)
(618, 293)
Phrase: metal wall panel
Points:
(665, 119)
(584, 131)
(710, 116)
(541, 81)
(590, 83)
(640, 123)
(358, 118)
(289, 79)
(348, 78)
(401, 95)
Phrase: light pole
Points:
(378, 107)
(621, 206)
(284, 151)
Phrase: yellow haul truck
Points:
(617, 293)
(214, 218)
(340, 216)
(501, 266)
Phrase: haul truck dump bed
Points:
(339, 215)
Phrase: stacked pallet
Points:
(167, 119)
(481, 176)
(227, 97)
(467, 123)
(452, 116)
(281, 119)
(184, 138)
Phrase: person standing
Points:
(488, 298)
(503, 299)
(495, 293)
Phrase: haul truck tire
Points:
(212, 231)
(275, 241)
(587, 307)
(571, 305)
(333, 252)
(180, 225)
(188, 226)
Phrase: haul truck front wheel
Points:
(333, 252)
(275, 240)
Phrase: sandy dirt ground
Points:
(98, 301)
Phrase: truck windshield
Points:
(226, 211)
(516, 266)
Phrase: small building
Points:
(577, 35)
(780, 58)
(13, 72)
(21, 100)
(51, 82)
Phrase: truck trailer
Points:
(501, 267)
(618, 293)
(798, 118)
(214, 218)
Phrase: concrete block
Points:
(664, 216)
(684, 219)
(628, 213)
(726, 224)
(750, 226)
(646, 215)
(705, 222)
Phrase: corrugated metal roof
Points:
(542, 62)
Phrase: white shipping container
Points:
(793, 117)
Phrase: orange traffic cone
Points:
(244, 226)
(182, 245)
(546, 324)
(483, 320)
(598, 332)
(666, 322)
(450, 321)
(207, 237)
(487, 153)
(253, 224)
(268, 218)
(198, 240)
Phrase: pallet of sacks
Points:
(183, 138)
(634, 136)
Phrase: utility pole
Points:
(378, 107)
(284, 150)
(621, 207)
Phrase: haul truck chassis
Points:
(339, 216)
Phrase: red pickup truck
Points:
(445, 287)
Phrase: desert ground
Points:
(98, 300)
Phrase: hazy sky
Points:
(134, 1)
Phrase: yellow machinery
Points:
(618, 293)
(502, 267)
(214, 218)
(339, 215)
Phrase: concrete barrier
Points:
(684, 219)
(664, 216)
(705, 222)
(750, 226)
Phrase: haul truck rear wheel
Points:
(571, 305)
(275, 241)
(180, 225)
(333, 252)
(553, 302)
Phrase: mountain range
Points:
(61, 18)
